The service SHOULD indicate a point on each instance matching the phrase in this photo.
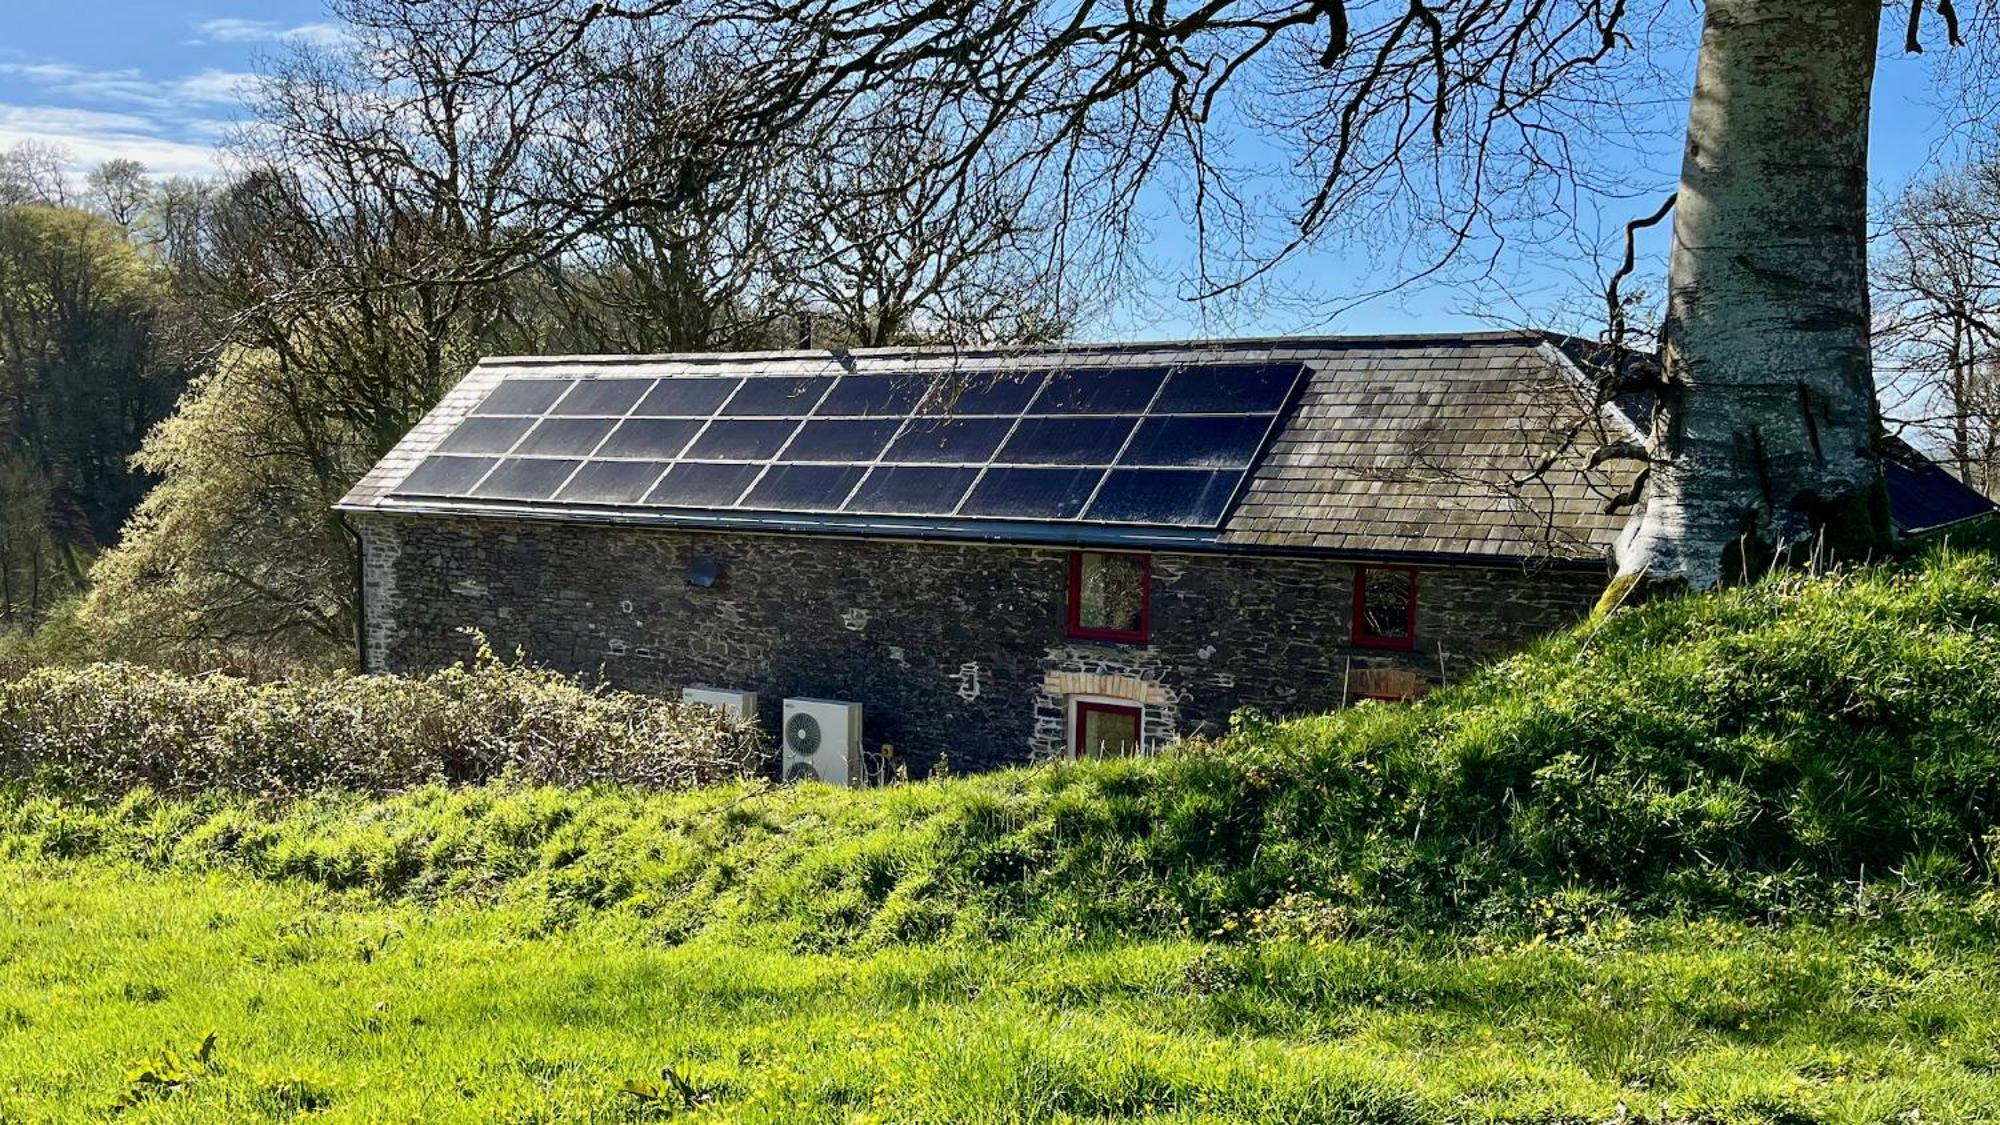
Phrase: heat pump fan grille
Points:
(801, 771)
(802, 734)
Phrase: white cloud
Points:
(237, 30)
(90, 137)
(208, 87)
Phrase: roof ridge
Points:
(1106, 347)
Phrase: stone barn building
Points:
(1011, 555)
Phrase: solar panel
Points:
(523, 478)
(573, 437)
(912, 490)
(485, 435)
(1141, 444)
(1032, 494)
(602, 396)
(685, 398)
(610, 482)
(523, 396)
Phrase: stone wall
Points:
(955, 650)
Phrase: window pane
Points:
(1107, 732)
(1111, 593)
(1386, 596)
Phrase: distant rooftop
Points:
(1463, 445)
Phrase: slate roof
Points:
(1468, 446)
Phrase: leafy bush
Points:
(105, 729)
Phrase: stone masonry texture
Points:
(955, 651)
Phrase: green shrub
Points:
(105, 729)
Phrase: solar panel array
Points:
(1152, 445)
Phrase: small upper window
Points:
(1385, 606)
(1108, 598)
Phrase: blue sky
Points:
(157, 82)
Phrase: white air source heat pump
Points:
(822, 740)
(738, 705)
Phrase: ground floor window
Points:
(1101, 729)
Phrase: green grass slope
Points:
(340, 1008)
(1805, 746)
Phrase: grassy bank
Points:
(1804, 748)
(361, 1011)
(1729, 859)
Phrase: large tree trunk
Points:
(1765, 444)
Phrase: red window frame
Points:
(1077, 629)
(1081, 724)
(1362, 638)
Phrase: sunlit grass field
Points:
(354, 1009)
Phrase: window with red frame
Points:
(1109, 598)
(1385, 607)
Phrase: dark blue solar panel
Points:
(779, 397)
(525, 479)
(1032, 494)
(1154, 444)
(969, 440)
(611, 482)
(1099, 390)
(1066, 441)
(485, 435)
(446, 476)
(914, 490)
(603, 396)
(566, 437)
(696, 485)
(804, 488)
(660, 439)
(841, 439)
(1923, 494)
(523, 396)
(736, 439)
(982, 394)
(873, 396)
(1179, 497)
(1237, 388)
(1220, 443)
(685, 398)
